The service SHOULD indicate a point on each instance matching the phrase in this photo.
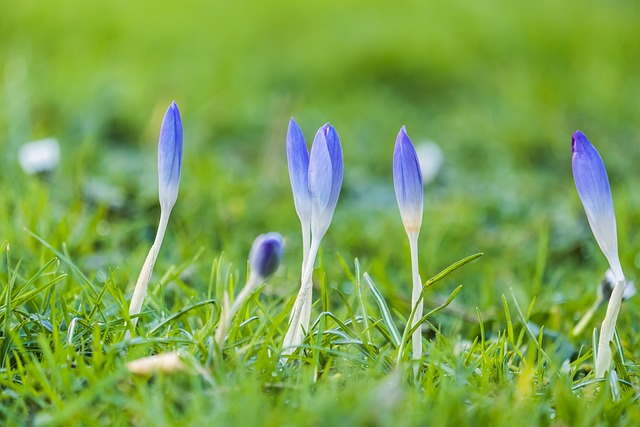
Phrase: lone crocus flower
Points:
(316, 180)
(169, 166)
(593, 188)
(407, 179)
(264, 259)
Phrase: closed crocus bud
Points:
(170, 157)
(324, 181)
(298, 161)
(326, 170)
(264, 259)
(407, 180)
(265, 255)
(169, 165)
(593, 188)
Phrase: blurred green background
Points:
(499, 85)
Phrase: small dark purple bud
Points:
(266, 254)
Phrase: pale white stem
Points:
(301, 311)
(227, 313)
(603, 362)
(416, 339)
(140, 291)
(306, 239)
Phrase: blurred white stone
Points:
(431, 158)
(39, 156)
(167, 363)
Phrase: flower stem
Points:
(306, 237)
(301, 311)
(603, 362)
(416, 339)
(140, 291)
(227, 313)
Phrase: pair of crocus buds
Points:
(592, 183)
(169, 167)
(316, 180)
(264, 258)
(407, 179)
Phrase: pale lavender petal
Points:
(320, 182)
(298, 161)
(266, 254)
(592, 183)
(337, 165)
(407, 180)
(170, 157)
(326, 170)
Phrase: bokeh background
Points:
(500, 86)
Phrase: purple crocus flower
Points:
(265, 255)
(407, 179)
(169, 166)
(264, 259)
(593, 188)
(170, 157)
(316, 180)
(326, 171)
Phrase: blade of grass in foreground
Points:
(408, 331)
(384, 310)
(525, 325)
(441, 275)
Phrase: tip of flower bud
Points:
(578, 139)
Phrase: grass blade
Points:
(384, 310)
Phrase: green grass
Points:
(500, 86)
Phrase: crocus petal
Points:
(298, 160)
(266, 254)
(170, 157)
(337, 164)
(325, 178)
(593, 188)
(407, 180)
